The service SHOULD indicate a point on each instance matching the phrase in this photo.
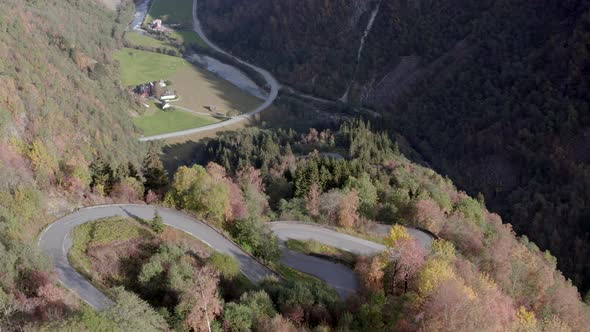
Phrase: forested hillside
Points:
(478, 277)
(504, 112)
(313, 45)
(65, 139)
(492, 93)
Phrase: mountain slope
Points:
(492, 93)
(65, 138)
(58, 85)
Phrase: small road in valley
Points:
(56, 241)
(272, 83)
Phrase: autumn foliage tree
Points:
(348, 215)
(200, 191)
(200, 303)
(428, 215)
(250, 181)
(370, 272)
(340, 208)
(312, 200)
(406, 257)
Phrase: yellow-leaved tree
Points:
(397, 234)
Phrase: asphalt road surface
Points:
(56, 242)
(340, 277)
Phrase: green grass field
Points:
(188, 37)
(172, 12)
(196, 87)
(141, 66)
(161, 122)
(176, 12)
(139, 39)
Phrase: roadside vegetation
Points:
(182, 282)
(109, 250)
(315, 248)
(140, 40)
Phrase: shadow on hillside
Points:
(182, 154)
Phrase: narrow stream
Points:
(359, 53)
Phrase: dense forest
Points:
(480, 277)
(491, 93)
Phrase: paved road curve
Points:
(343, 279)
(270, 80)
(340, 277)
(55, 241)
(285, 230)
(302, 231)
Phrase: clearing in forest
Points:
(208, 97)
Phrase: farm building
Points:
(158, 90)
(168, 95)
(156, 25)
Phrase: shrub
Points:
(196, 190)
(250, 234)
(227, 266)
(276, 324)
(238, 318)
(268, 249)
(260, 303)
(157, 224)
(129, 189)
(133, 314)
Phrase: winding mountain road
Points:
(272, 83)
(340, 277)
(55, 241)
